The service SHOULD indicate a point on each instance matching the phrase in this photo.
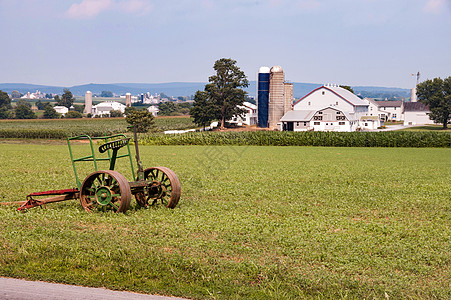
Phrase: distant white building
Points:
(61, 109)
(249, 118)
(104, 108)
(153, 109)
(416, 113)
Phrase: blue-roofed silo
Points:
(263, 96)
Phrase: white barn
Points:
(61, 109)
(327, 108)
(104, 108)
(416, 113)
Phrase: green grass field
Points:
(252, 223)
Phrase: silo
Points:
(263, 96)
(128, 99)
(276, 96)
(88, 102)
(413, 95)
(288, 96)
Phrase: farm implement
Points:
(108, 190)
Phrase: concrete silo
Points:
(288, 96)
(88, 102)
(128, 100)
(263, 96)
(276, 96)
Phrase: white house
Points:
(249, 118)
(327, 108)
(153, 109)
(104, 108)
(416, 113)
(389, 110)
(61, 109)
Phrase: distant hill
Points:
(188, 89)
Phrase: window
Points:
(309, 103)
(305, 123)
(338, 118)
(324, 92)
(317, 117)
(316, 123)
(394, 116)
(366, 124)
(297, 123)
(338, 112)
(320, 112)
(341, 123)
(336, 103)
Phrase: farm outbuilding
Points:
(416, 113)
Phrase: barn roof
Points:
(415, 106)
(340, 92)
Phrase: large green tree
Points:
(66, 99)
(437, 94)
(203, 110)
(225, 89)
(5, 106)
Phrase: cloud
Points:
(88, 8)
(434, 6)
(91, 8)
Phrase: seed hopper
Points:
(108, 190)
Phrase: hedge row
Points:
(329, 139)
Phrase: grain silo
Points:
(128, 100)
(276, 96)
(88, 102)
(288, 96)
(263, 96)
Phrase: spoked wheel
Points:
(164, 187)
(105, 191)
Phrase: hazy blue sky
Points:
(354, 42)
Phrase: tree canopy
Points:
(5, 106)
(50, 112)
(437, 94)
(23, 111)
(106, 94)
(142, 119)
(66, 99)
(203, 110)
(224, 92)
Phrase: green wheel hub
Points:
(104, 195)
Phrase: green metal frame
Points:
(111, 156)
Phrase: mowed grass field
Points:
(252, 223)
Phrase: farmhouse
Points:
(416, 113)
(249, 118)
(327, 108)
(104, 108)
(387, 110)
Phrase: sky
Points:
(350, 42)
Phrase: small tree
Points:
(115, 113)
(225, 90)
(5, 106)
(23, 111)
(437, 94)
(72, 114)
(142, 119)
(106, 94)
(50, 113)
(66, 99)
(166, 108)
(347, 87)
(203, 110)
